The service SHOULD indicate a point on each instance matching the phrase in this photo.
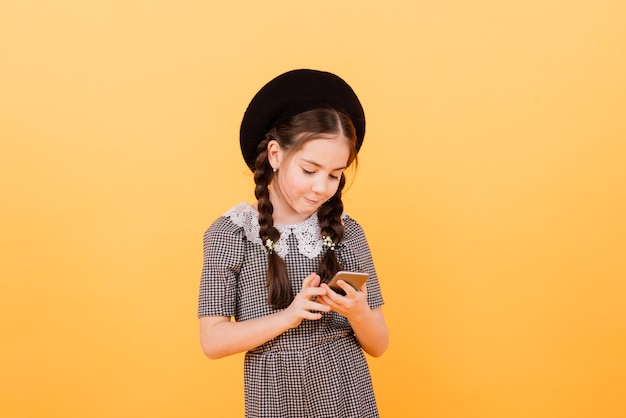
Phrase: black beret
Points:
(290, 94)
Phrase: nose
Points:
(319, 185)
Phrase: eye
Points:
(334, 177)
(308, 172)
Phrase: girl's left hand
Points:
(352, 305)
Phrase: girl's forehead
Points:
(329, 151)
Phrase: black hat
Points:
(290, 94)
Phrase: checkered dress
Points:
(314, 370)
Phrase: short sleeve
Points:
(355, 255)
(224, 248)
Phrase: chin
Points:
(308, 211)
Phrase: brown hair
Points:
(291, 135)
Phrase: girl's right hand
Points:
(304, 305)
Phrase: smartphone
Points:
(353, 278)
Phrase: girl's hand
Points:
(352, 305)
(368, 324)
(305, 303)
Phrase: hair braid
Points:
(329, 216)
(280, 293)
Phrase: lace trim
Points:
(307, 232)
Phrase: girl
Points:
(267, 265)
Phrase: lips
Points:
(312, 201)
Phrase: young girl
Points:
(266, 265)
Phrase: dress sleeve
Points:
(355, 255)
(224, 248)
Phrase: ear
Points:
(274, 154)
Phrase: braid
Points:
(280, 293)
(329, 217)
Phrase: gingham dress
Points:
(316, 369)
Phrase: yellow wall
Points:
(492, 186)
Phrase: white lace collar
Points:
(307, 232)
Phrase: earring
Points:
(274, 169)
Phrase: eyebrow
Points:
(320, 166)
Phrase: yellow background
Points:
(492, 186)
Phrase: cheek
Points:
(293, 184)
(301, 185)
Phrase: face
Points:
(306, 178)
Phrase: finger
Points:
(338, 298)
(313, 316)
(316, 306)
(312, 280)
(325, 300)
(316, 281)
(322, 300)
(347, 287)
(313, 293)
(331, 295)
